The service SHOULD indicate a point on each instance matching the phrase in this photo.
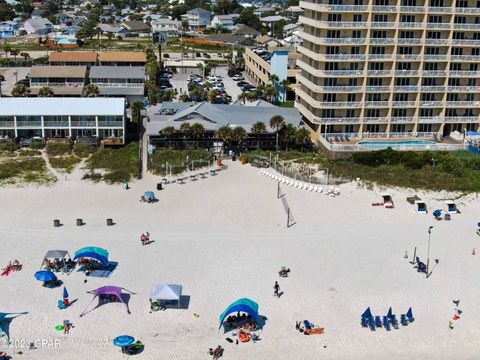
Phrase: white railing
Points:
(350, 41)
(438, 26)
(436, 41)
(437, 57)
(465, 57)
(377, 119)
(83, 123)
(378, 89)
(406, 73)
(338, 120)
(376, 103)
(454, 119)
(465, 26)
(465, 42)
(463, 103)
(443, 10)
(344, 56)
(467, 10)
(431, 103)
(414, 9)
(4, 124)
(408, 57)
(29, 123)
(434, 73)
(412, 41)
(463, 88)
(340, 88)
(382, 25)
(343, 72)
(381, 41)
(430, 119)
(406, 88)
(403, 119)
(404, 103)
(472, 74)
(56, 84)
(116, 85)
(110, 123)
(380, 56)
(379, 72)
(55, 123)
(341, 104)
(343, 24)
(411, 25)
(383, 8)
(433, 88)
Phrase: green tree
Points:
(258, 129)
(15, 53)
(212, 95)
(91, 90)
(302, 137)
(20, 90)
(276, 123)
(6, 11)
(285, 84)
(7, 49)
(197, 132)
(184, 24)
(45, 91)
(287, 134)
(185, 130)
(239, 135)
(225, 134)
(269, 92)
(184, 98)
(248, 18)
(25, 55)
(242, 97)
(168, 132)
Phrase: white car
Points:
(238, 78)
(214, 78)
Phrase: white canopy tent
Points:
(61, 255)
(169, 292)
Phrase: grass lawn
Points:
(119, 165)
(158, 160)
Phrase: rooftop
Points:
(66, 106)
(117, 72)
(122, 56)
(58, 71)
(136, 26)
(214, 116)
(245, 30)
(73, 56)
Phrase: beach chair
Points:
(296, 185)
(378, 321)
(305, 186)
(386, 323)
(336, 191)
(319, 189)
(403, 320)
(307, 324)
(61, 305)
(371, 323)
(394, 321)
(310, 188)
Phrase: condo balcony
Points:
(340, 41)
(401, 104)
(465, 57)
(410, 57)
(430, 119)
(467, 10)
(438, 25)
(55, 123)
(439, 10)
(465, 27)
(339, 89)
(455, 89)
(465, 42)
(402, 119)
(407, 73)
(380, 89)
(382, 73)
(333, 8)
(435, 73)
(455, 104)
(383, 8)
(7, 124)
(429, 104)
(411, 25)
(433, 88)
(412, 9)
(375, 104)
(339, 120)
(377, 119)
(460, 119)
(378, 41)
(341, 104)
(466, 73)
(436, 57)
(406, 88)
(343, 73)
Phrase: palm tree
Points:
(242, 97)
(225, 134)
(185, 130)
(257, 129)
(269, 92)
(20, 90)
(276, 123)
(45, 91)
(212, 95)
(288, 133)
(302, 137)
(273, 78)
(91, 90)
(285, 84)
(239, 134)
(6, 49)
(252, 96)
(15, 53)
(197, 132)
(184, 98)
(168, 132)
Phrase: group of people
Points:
(57, 264)
(240, 320)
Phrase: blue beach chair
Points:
(364, 322)
(307, 324)
(378, 321)
(410, 315)
(403, 319)
(371, 323)
(394, 321)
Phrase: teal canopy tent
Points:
(92, 252)
(5, 319)
(241, 305)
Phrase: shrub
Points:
(117, 176)
(65, 163)
(57, 149)
(84, 150)
(96, 177)
(8, 146)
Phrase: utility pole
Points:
(428, 249)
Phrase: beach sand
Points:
(224, 238)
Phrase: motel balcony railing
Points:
(56, 123)
(83, 123)
(29, 123)
(110, 123)
(7, 124)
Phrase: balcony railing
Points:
(442, 10)
(376, 103)
(349, 41)
(412, 9)
(438, 26)
(380, 56)
(436, 41)
(341, 104)
(433, 88)
(463, 103)
(340, 88)
(465, 42)
(403, 57)
(344, 24)
(406, 73)
(404, 103)
(83, 123)
(435, 57)
(411, 25)
(344, 56)
(110, 123)
(403, 119)
(338, 120)
(379, 72)
(377, 119)
(434, 73)
(117, 85)
(431, 103)
(372, 89)
(56, 123)
(383, 8)
(412, 41)
(430, 119)
(466, 57)
(406, 88)
(463, 88)
(378, 41)
(472, 74)
(29, 123)
(465, 26)
(467, 10)
(382, 25)
(343, 72)
(452, 119)
(56, 84)
(4, 124)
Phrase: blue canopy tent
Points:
(241, 305)
(123, 340)
(92, 252)
(5, 319)
(437, 213)
(149, 194)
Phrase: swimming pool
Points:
(395, 144)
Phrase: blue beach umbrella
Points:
(45, 276)
(123, 340)
(437, 213)
(65, 293)
(150, 194)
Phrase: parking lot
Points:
(180, 82)
(11, 78)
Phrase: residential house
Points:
(246, 31)
(122, 58)
(198, 18)
(63, 80)
(73, 58)
(38, 13)
(38, 26)
(119, 81)
(113, 29)
(97, 119)
(224, 21)
(137, 27)
(170, 27)
(262, 10)
(267, 41)
(8, 29)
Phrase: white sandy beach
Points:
(224, 238)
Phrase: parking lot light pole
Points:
(428, 248)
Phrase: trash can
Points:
(79, 222)
(234, 157)
(159, 186)
(56, 223)
(109, 222)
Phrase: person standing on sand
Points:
(143, 238)
(276, 288)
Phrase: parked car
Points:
(238, 78)
(220, 55)
(242, 83)
(2, 78)
(23, 82)
(205, 55)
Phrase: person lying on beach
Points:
(217, 353)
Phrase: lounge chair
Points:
(308, 324)
(378, 321)
(410, 315)
(371, 323)
(61, 305)
(403, 320)
(319, 189)
(297, 185)
(394, 321)
(386, 323)
(364, 322)
(336, 191)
